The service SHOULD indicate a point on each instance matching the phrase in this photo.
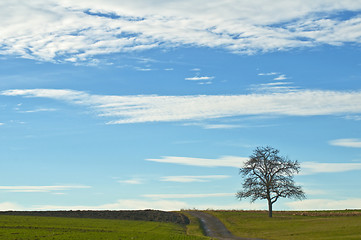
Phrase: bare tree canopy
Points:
(269, 176)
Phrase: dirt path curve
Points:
(213, 227)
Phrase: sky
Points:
(154, 104)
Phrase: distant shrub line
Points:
(141, 215)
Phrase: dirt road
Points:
(213, 227)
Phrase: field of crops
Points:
(293, 225)
(57, 228)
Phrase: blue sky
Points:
(156, 104)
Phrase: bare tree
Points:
(269, 176)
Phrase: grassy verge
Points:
(56, 228)
(194, 228)
(293, 225)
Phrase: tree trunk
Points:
(269, 208)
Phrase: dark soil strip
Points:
(213, 227)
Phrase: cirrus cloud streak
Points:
(317, 167)
(76, 31)
(41, 188)
(187, 195)
(154, 108)
(346, 142)
(225, 161)
(187, 179)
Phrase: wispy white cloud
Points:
(275, 87)
(143, 69)
(317, 167)
(205, 83)
(226, 161)
(75, 31)
(132, 181)
(275, 84)
(187, 179)
(199, 78)
(39, 110)
(268, 74)
(353, 117)
(280, 77)
(41, 188)
(307, 168)
(153, 108)
(187, 195)
(1, 123)
(346, 142)
(221, 126)
(325, 204)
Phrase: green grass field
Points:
(251, 224)
(34, 228)
(293, 225)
